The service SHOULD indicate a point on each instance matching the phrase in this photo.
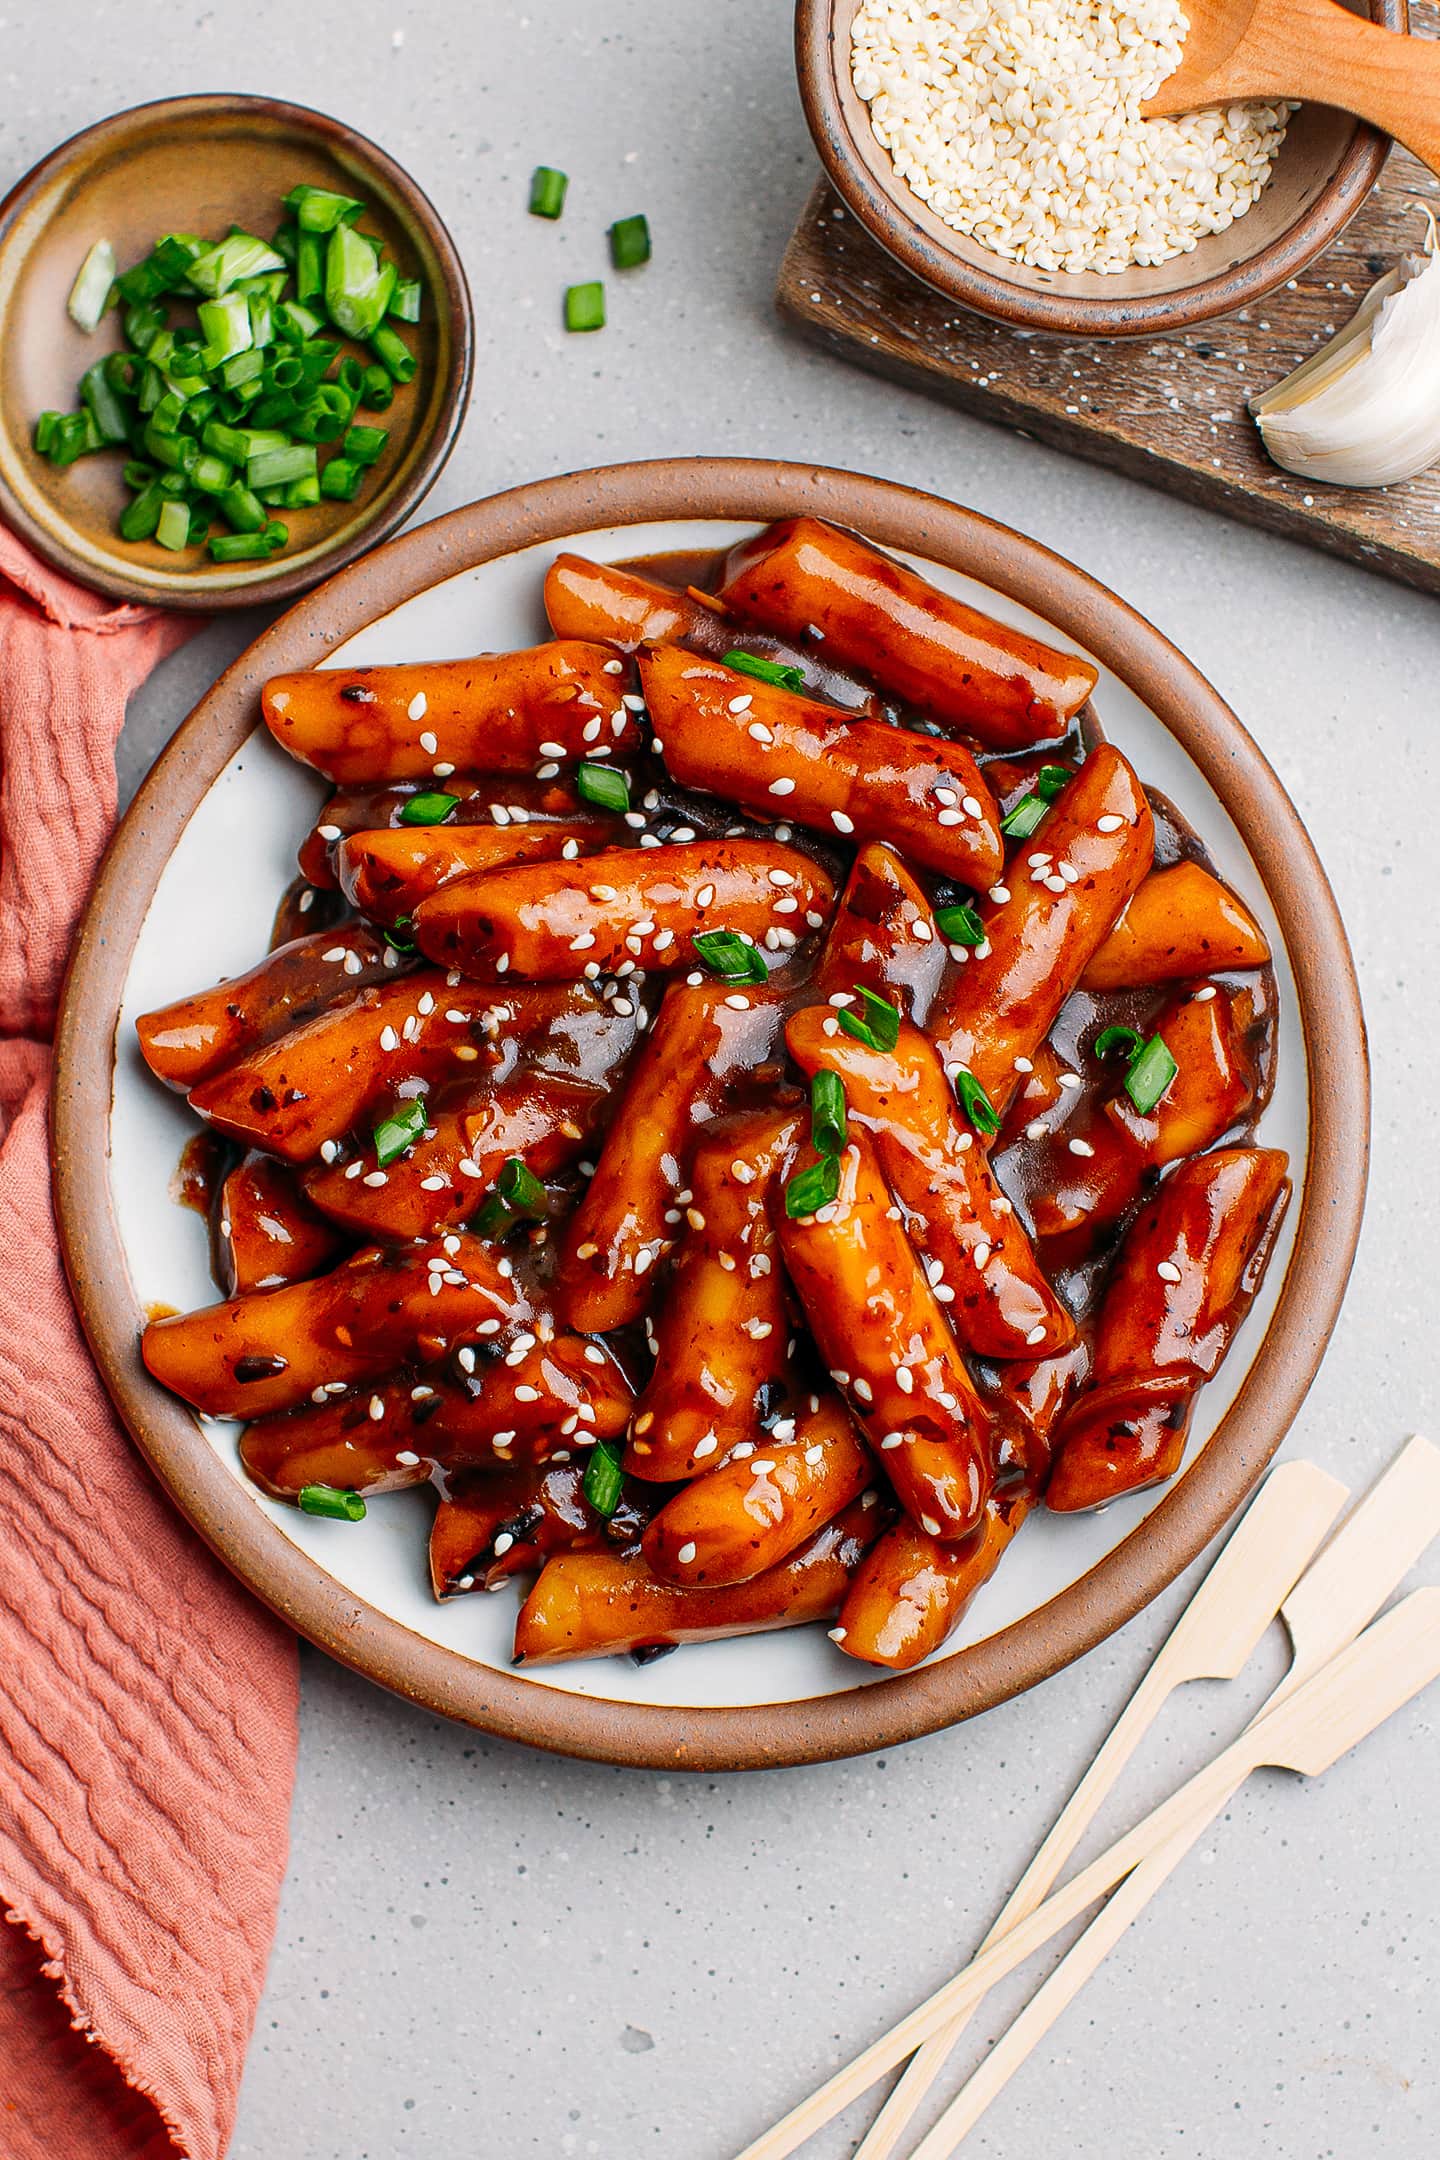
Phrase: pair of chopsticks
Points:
(1348, 1672)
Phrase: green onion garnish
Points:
(1025, 816)
(877, 1024)
(768, 671)
(394, 934)
(90, 293)
(603, 1481)
(602, 786)
(547, 191)
(813, 1188)
(976, 1103)
(518, 1196)
(331, 1501)
(1150, 1075)
(1052, 780)
(1118, 1042)
(730, 957)
(257, 374)
(400, 1130)
(431, 808)
(317, 210)
(585, 306)
(960, 924)
(630, 242)
(173, 529)
(827, 1113)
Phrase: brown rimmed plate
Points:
(159, 922)
(201, 164)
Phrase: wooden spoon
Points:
(1309, 49)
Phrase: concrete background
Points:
(482, 1951)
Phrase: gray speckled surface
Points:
(484, 1951)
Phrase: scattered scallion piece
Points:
(547, 191)
(1024, 818)
(1118, 1042)
(331, 1501)
(976, 1103)
(630, 242)
(398, 1131)
(431, 808)
(877, 1023)
(585, 306)
(1051, 781)
(1150, 1075)
(960, 924)
(233, 378)
(518, 1196)
(827, 1112)
(90, 293)
(768, 671)
(813, 1188)
(394, 934)
(602, 786)
(729, 956)
(603, 1480)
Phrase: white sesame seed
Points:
(1168, 1272)
(836, 1634)
(929, 1525)
(905, 1379)
(949, 817)
(999, 894)
(737, 1002)
(782, 787)
(687, 1552)
(892, 1440)
(1068, 1080)
(328, 832)
(1203, 997)
(705, 1447)
(1080, 1147)
(740, 704)
(428, 744)
(841, 822)
(971, 807)
(377, 1408)
(644, 1260)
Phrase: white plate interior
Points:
(211, 916)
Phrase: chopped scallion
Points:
(585, 306)
(813, 1188)
(90, 293)
(317, 210)
(1118, 1042)
(405, 300)
(976, 1103)
(398, 1131)
(601, 785)
(393, 353)
(363, 445)
(342, 480)
(547, 191)
(518, 1196)
(827, 1113)
(876, 1024)
(215, 269)
(1025, 816)
(331, 1501)
(630, 242)
(1051, 781)
(173, 529)
(603, 1481)
(960, 924)
(431, 808)
(767, 671)
(1150, 1075)
(730, 957)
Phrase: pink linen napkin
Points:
(147, 1704)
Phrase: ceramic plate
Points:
(187, 896)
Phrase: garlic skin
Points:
(1365, 410)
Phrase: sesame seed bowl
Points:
(946, 114)
(190, 887)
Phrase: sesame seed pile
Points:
(1018, 123)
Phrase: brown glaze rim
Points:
(213, 592)
(884, 1712)
(881, 210)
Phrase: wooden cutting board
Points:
(1169, 410)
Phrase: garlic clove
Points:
(1365, 410)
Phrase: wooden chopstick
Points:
(1213, 1638)
(1348, 1698)
(1371, 1553)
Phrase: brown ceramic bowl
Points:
(1328, 1136)
(1327, 166)
(199, 164)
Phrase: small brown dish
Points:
(367, 1623)
(201, 164)
(1327, 166)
